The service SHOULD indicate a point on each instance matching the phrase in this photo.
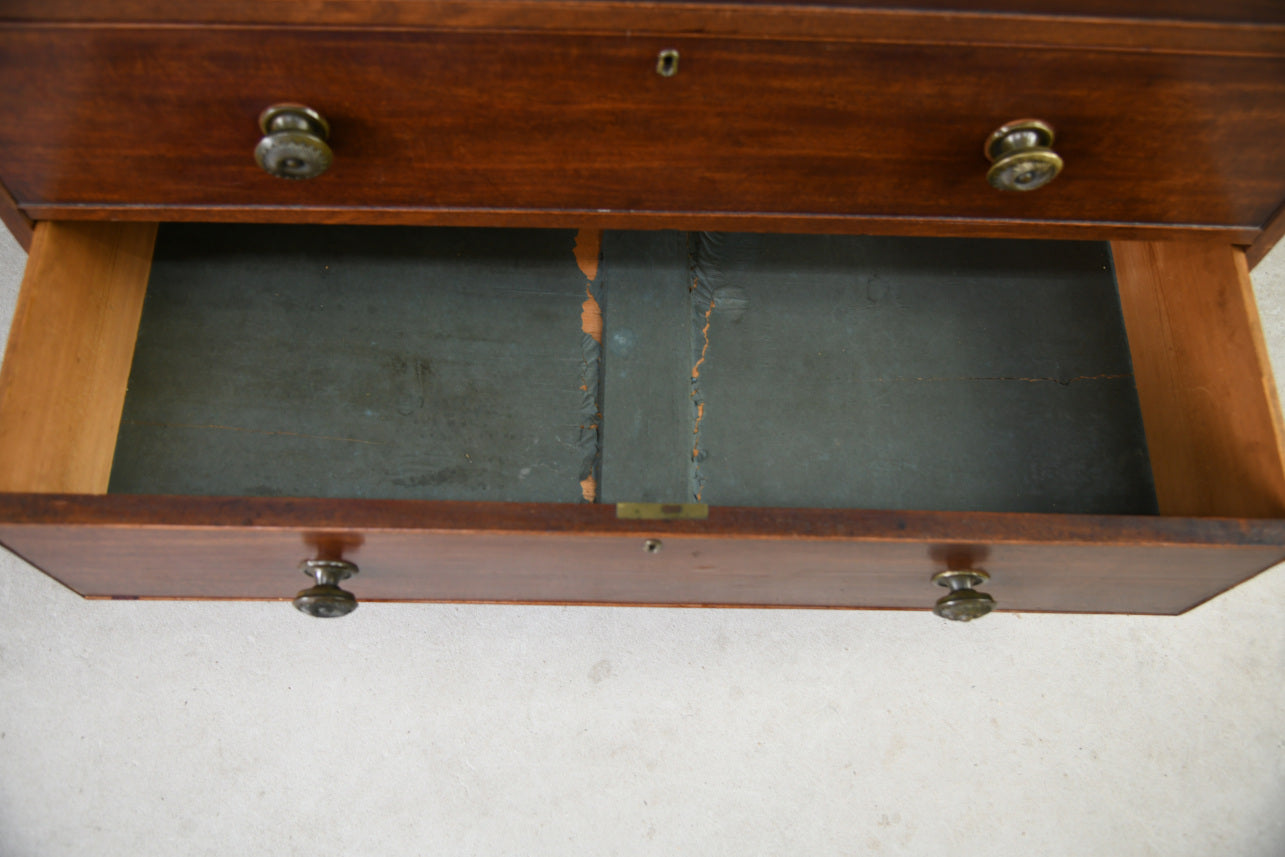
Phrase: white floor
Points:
(231, 729)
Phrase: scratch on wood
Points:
(255, 431)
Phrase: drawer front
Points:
(168, 547)
(482, 126)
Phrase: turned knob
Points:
(963, 603)
(326, 600)
(294, 142)
(1021, 157)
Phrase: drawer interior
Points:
(555, 366)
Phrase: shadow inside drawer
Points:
(544, 365)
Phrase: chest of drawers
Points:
(591, 116)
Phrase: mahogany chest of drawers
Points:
(709, 179)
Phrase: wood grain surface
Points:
(1209, 401)
(1193, 26)
(811, 224)
(62, 385)
(168, 547)
(445, 125)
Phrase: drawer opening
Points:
(551, 366)
(807, 371)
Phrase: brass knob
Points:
(326, 600)
(963, 603)
(1021, 157)
(294, 142)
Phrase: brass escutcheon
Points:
(667, 62)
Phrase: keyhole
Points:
(667, 63)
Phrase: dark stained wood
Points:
(850, 116)
(18, 224)
(67, 360)
(1273, 232)
(119, 546)
(1194, 26)
(1209, 401)
(380, 11)
(164, 120)
(940, 227)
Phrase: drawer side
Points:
(62, 385)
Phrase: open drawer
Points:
(638, 418)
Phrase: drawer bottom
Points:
(542, 365)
